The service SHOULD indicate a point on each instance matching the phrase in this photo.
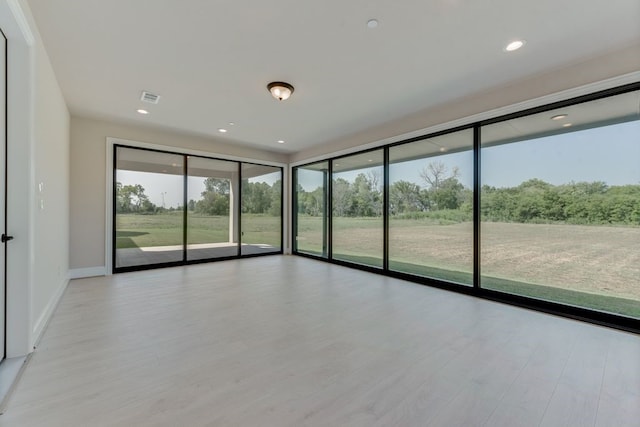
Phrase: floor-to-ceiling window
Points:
(431, 207)
(261, 209)
(212, 222)
(172, 208)
(561, 205)
(148, 207)
(311, 220)
(540, 207)
(357, 217)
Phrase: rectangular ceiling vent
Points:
(151, 98)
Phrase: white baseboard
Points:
(81, 273)
(43, 320)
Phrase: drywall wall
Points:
(88, 175)
(51, 190)
(38, 152)
(591, 70)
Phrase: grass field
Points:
(138, 231)
(590, 266)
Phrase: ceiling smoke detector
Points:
(149, 97)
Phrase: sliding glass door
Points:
(174, 209)
(261, 220)
(148, 207)
(561, 205)
(311, 214)
(431, 207)
(212, 220)
(357, 223)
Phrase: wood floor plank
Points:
(288, 341)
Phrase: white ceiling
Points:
(210, 60)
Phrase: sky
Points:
(610, 154)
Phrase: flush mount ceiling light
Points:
(280, 90)
(372, 23)
(558, 117)
(280, 141)
(221, 130)
(514, 45)
(141, 111)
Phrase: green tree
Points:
(217, 185)
(276, 198)
(132, 199)
(313, 203)
(448, 195)
(444, 189)
(215, 197)
(342, 197)
(256, 197)
(404, 196)
(366, 198)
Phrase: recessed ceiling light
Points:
(566, 125)
(222, 130)
(559, 117)
(372, 23)
(141, 111)
(514, 45)
(280, 141)
(231, 123)
(369, 160)
(442, 149)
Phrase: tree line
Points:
(442, 196)
(536, 201)
(257, 198)
(363, 197)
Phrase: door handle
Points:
(6, 238)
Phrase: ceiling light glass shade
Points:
(514, 45)
(280, 90)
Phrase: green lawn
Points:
(623, 306)
(137, 231)
(587, 266)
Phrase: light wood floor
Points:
(288, 341)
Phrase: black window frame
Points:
(185, 224)
(612, 320)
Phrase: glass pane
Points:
(212, 225)
(311, 233)
(357, 208)
(431, 207)
(261, 209)
(561, 205)
(149, 207)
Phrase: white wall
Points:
(88, 179)
(51, 185)
(38, 151)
